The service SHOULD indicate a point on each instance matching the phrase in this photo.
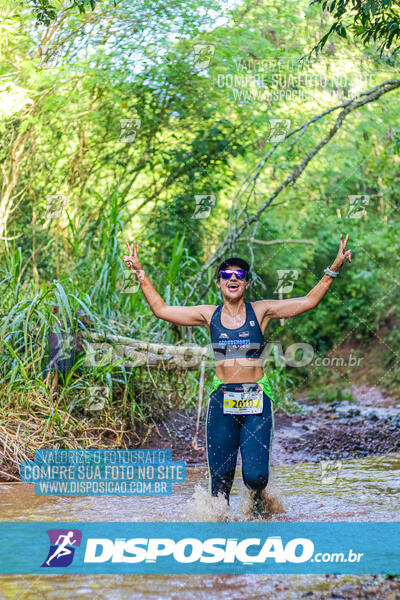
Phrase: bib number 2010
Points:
(243, 403)
(248, 403)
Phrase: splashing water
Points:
(204, 507)
(272, 496)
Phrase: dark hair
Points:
(231, 262)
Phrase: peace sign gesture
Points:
(343, 253)
(132, 261)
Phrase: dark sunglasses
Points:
(239, 273)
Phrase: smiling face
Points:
(233, 288)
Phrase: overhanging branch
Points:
(235, 231)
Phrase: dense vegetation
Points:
(117, 119)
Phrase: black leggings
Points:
(226, 433)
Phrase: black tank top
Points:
(246, 341)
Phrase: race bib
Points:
(247, 402)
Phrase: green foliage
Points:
(370, 20)
(45, 11)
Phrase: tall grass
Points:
(91, 281)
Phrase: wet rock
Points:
(337, 594)
(354, 412)
(346, 591)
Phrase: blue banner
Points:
(210, 548)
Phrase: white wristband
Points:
(331, 273)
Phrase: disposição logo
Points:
(62, 547)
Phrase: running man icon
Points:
(61, 551)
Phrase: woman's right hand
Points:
(132, 260)
(180, 315)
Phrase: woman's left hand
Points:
(343, 254)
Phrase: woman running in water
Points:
(240, 411)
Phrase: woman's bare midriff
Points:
(241, 370)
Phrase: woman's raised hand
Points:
(132, 260)
(343, 254)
